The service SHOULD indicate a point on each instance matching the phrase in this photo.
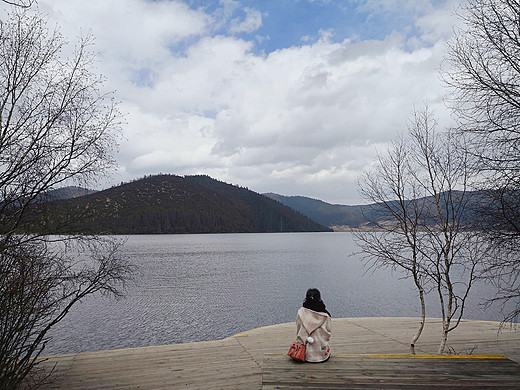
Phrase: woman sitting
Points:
(313, 327)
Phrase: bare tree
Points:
(419, 189)
(483, 70)
(453, 250)
(19, 3)
(56, 127)
(396, 215)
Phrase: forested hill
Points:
(172, 204)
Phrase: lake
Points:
(205, 287)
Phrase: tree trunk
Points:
(444, 340)
(423, 319)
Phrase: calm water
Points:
(205, 287)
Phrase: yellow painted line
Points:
(496, 357)
(405, 356)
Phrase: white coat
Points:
(317, 325)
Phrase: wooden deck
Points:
(238, 361)
(392, 372)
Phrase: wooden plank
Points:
(236, 362)
(280, 372)
(190, 367)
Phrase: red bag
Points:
(297, 351)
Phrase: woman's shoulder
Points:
(306, 311)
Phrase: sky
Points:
(295, 97)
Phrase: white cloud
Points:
(301, 117)
(302, 120)
(252, 22)
(437, 25)
(129, 28)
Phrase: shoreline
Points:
(245, 332)
(236, 361)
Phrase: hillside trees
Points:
(56, 127)
(483, 71)
(170, 204)
(421, 184)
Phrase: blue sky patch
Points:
(287, 23)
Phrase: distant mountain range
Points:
(372, 215)
(70, 192)
(200, 204)
(324, 213)
(167, 204)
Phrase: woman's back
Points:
(313, 327)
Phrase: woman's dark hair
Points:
(313, 294)
(313, 301)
